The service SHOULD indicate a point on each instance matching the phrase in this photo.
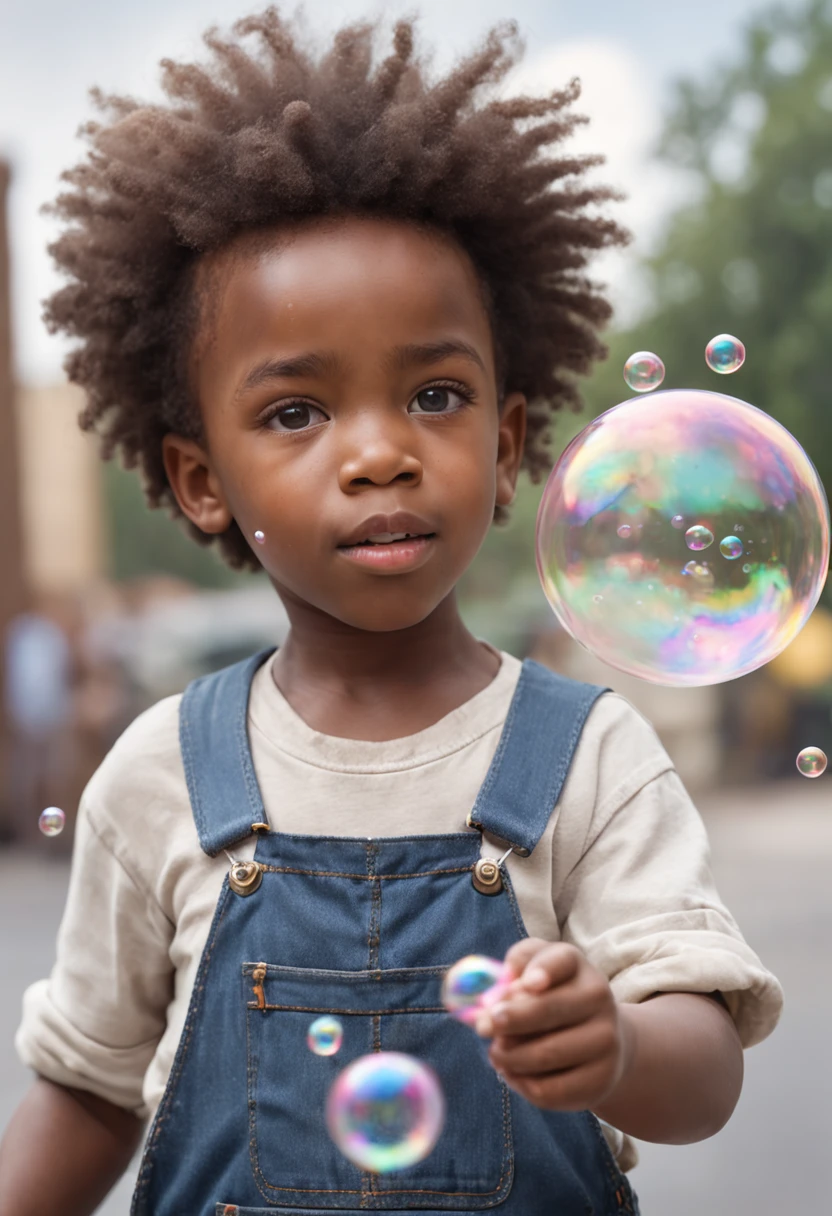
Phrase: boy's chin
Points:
(384, 614)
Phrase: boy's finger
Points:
(554, 1052)
(553, 965)
(525, 1014)
(540, 965)
(522, 953)
(575, 1089)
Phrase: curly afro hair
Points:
(266, 132)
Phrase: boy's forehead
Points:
(396, 273)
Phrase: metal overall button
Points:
(487, 876)
(244, 877)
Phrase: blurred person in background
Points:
(39, 675)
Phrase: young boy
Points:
(328, 310)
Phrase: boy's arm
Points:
(668, 1070)
(685, 1073)
(88, 1142)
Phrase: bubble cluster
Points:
(325, 1036)
(472, 984)
(811, 762)
(52, 821)
(716, 464)
(385, 1111)
(643, 371)
(725, 354)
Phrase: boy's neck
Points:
(376, 686)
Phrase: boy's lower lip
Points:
(398, 555)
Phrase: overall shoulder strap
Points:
(527, 774)
(213, 736)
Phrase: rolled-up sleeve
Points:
(641, 902)
(96, 1021)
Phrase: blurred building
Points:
(12, 588)
(62, 511)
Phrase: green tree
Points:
(146, 542)
(748, 252)
(751, 252)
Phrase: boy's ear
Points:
(195, 485)
(511, 437)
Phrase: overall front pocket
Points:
(294, 1161)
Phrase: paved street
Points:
(773, 857)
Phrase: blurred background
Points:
(716, 120)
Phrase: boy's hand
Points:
(558, 1039)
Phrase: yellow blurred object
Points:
(807, 661)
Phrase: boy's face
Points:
(347, 389)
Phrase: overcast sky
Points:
(627, 53)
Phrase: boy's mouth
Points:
(389, 542)
(392, 538)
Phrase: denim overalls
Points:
(364, 930)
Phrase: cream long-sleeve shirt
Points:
(622, 872)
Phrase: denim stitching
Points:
(373, 877)
(394, 973)
(618, 1179)
(491, 775)
(374, 927)
(255, 796)
(186, 748)
(359, 1013)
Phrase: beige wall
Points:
(63, 518)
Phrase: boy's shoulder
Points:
(618, 754)
(143, 766)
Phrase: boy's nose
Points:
(378, 459)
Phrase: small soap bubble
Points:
(643, 371)
(731, 547)
(625, 531)
(686, 458)
(260, 537)
(746, 567)
(52, 821)
(724, 354)
(596, 599)
(698, 537)
(811, 762)
(472, 984)
(325, 1036)
(385, 1111)
(700, 571)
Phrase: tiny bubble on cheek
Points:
(260, 537)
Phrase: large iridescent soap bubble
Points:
(677, 466)
(385, 1111)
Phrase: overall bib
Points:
(363, 929)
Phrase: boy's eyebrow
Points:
(424, 353)
(320, 363)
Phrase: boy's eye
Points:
(436, 400)
(297, 416)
